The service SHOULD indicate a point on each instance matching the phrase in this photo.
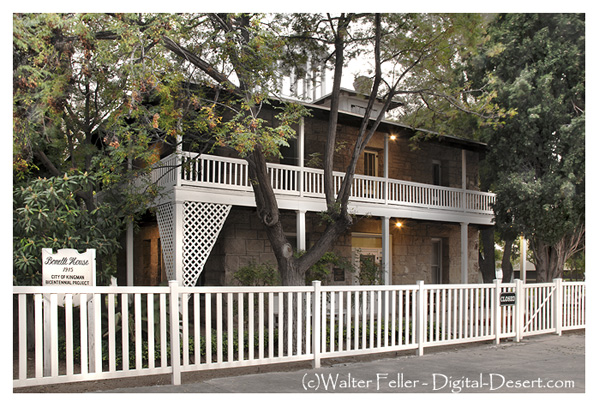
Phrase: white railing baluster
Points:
(240, 326)
(271, 325)
(280, 322)
(22, 336)
(137, 319)
(289, 324)
(230, 327)
(196, 329)
(219, 328)
(208, 327)
(111, 333)
(68, 319)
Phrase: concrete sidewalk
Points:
(538, 364)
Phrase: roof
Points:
(394, 104)
(389, 126)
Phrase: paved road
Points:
(538, 364)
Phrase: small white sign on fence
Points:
(68, 267)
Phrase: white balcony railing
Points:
(232, 174)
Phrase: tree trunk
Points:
(548, 262)
(486, 256)
(506, 263)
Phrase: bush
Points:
(257, 275)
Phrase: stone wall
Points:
(409, 160)
(243, 240)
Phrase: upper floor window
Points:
(436, 172)
(371, 163)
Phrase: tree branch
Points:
(200, 63)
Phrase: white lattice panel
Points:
(165, 215)
(202, 223)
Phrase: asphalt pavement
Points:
(538, 364)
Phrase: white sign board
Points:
(68, 267)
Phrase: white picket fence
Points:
(134, 331)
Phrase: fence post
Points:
(420, 312)
(497, 310)
(316, 324)
(520, 306)
(174, 327)
(558, 301)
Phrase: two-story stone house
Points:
(417, 206)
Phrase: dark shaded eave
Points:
(387, 126)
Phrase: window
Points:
(436, 261)
(436, 172)
(371, 163)
(367, 257)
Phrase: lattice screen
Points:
(202, 223)
(165, 215)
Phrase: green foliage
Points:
(371, 272)
(257, 275)
(321, 270)
(48, 214)
(535, 64)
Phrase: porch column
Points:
(386, 260)
(130, 271)
(300, 157)
(386, 167)
(464, 169)
(301, 230)
(130, 274)
(464, 251)
(464, 206)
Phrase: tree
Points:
(82, 127)
(534, 64)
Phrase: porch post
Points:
(464, 251)
(301, 215)
(386, 251)
(464, 206)
(464, 169)
(178, 241)
(130, 273)
(301, 230)
(386, 157)
(300, 157)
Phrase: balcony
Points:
(221, 176)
